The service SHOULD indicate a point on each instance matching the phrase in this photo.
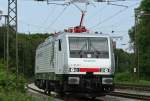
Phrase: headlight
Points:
(105, 70)
(74, 69)
(107, 80)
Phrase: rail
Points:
(38, 91)
(133, 87)
(117, 94)
(133, 96)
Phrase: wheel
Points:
(49, 92)
(48, 89)
(62, 92)
(45, 91)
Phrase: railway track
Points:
(117, 94)
(132, 96)
(132, 87)
(68, 97)
(38, 91)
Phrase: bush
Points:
(9, 82)
(128, 78)
(123, 77)
(15, 96)
(12, 89)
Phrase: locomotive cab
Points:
(86, 62)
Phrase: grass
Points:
(12, 89)
(15, 96)
(19, 96)
(140, 82)
(127, 78)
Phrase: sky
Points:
(38, 17)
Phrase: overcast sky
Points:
(36, 17)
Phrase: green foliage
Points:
(15, 96)
(128, 78)
(123, 77)
(124, 61)
(145, 5)
(12, 89)
(2, 33)
(9, 82)
(131, 33)
(27, 46)
(143, 39)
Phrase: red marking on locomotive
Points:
(90, 70)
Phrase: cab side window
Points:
(59, 44)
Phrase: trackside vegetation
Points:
(142, 38)
(128, 78)
(12, 89)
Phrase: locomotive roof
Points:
(84, 34)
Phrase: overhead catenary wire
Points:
(101, 9)
(36, 27)
(48, 16)
(116, 25)
(118, 0)
(27, 23)
(96, 14)
(108, 18)
(54, 21)
(112, 16)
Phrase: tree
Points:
(27, 45)
(143, 38)
(123, 61)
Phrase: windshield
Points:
(88, 47)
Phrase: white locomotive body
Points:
(75, 62)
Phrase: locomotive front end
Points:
(90, 63)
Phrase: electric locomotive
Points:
(76, 60)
